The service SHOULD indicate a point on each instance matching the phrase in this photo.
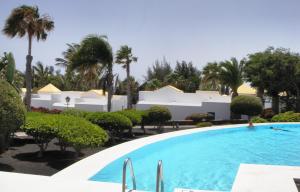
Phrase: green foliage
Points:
(258, 120)
(10, 68)
(204, 124)
(158, 115)
(134, 116)
(75, 113)
(198, 117)
(79, 132)
(74, 131)
(246, 105)
(231, 74)
(12, 113)
(114, 122)
(42, 127)
(289, 116)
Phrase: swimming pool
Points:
(208, 160)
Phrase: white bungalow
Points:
(183, 104)
(52, 98)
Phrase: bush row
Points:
(286, 117)
(69, 130)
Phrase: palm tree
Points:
(125, 57)
(96, 52)
(42, 74)
(211, 78)
(26, 20)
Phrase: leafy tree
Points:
(26, 20)
(95, 53)
(160, 70)
(276, 71)
(125, 58)
(42, 74)
(185, 77)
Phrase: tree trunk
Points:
(260, 94)
(129, 106)
(233, 115)
(28, 76)
(275, 104)
(110, 79)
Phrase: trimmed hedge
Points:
(134, 116)
(246, 105)
(12, 113)
(204, 124)
(158, 115)
(113, 122)
(289, 116)
(71, 131)
(198, 117)
(258, 120)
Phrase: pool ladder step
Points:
(159, 177)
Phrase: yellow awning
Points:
(49, 89)
(246, 90)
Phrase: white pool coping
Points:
(262, 178)
(88, 167)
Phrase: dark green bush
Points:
(289, 116)
(113, 122)
(158, 115)
(267, 113)
(246, 105)
(75, 112)
(258, 120)
(12, 113)
(198, 117)
(204, 124)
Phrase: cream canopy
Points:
(49, 89)
(246, 89)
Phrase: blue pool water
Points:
(208, 160)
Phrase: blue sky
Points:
(200, 31)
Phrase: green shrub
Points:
(258, 120)
(134, 116)
(158, 115)
(113, 122)
(246, 105)
(75, 112)
(204, 124)
(286, 117)
(198, 117)
(12, 113)
(79, 133)
(42, 127)
(73, 131)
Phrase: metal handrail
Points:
(128, 162)
(159, 177)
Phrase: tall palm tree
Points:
(125, 58)
(26, 20)
(231, 74)
(95, 51)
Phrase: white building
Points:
(183, 104)
(52, 98)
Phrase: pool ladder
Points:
(159, 176)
